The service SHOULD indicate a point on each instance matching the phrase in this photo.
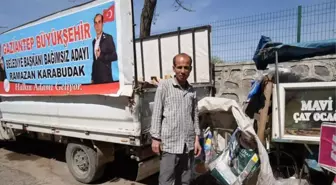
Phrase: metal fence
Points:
(235, 40)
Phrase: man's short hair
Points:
(98, 14)
(174, 59)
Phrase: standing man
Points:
(104, 53)
(175, 126)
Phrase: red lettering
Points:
(26, 41)
(11, 47)
(82, 30)
(77, 33)
(59, 37)
(17, 47)
(43, 41)
(4, 49)
(87, 33)
(54, 38)
(7, 48)
(48, 38)
(63, 36)
(24, 44)
(21, 45)
(31, 43)
(71, 34)
(66, 37)
(38, 41)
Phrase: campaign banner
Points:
(327, 153)
(73, 54)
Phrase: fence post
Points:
(299, 19)
(179, 39)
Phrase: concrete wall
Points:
(233, 80)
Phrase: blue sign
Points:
(79, 48)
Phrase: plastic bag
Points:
(209, 146)
(265, 177)
(236, 162)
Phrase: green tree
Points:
(216, 60)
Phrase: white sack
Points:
(216, 104)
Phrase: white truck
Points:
(48, 93)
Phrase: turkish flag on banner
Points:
(108, 14)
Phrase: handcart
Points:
(289, 107)
(226, 118)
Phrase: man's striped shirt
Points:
(175, 116)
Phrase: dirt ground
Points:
(33, 162)
(30, 162)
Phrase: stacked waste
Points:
(238, 161)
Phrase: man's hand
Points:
(198, 148)
(156, 146)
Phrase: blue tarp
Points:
(265, 52)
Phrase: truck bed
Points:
(99, 118)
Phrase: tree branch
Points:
(146, 18)
(148, 15)
(180, 5)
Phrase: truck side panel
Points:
(93, 117)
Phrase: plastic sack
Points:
(209, 146)
(236, 163)
(201, 162)
(265, 177)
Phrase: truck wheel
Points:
(82, 162)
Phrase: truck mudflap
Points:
(148, 167)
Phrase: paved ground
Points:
(41, 163)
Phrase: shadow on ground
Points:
(29, 149)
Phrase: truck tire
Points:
(82, 162)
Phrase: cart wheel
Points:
(287, 167)
(304, 174)
(82, 163)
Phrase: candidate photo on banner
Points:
(104, 49)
